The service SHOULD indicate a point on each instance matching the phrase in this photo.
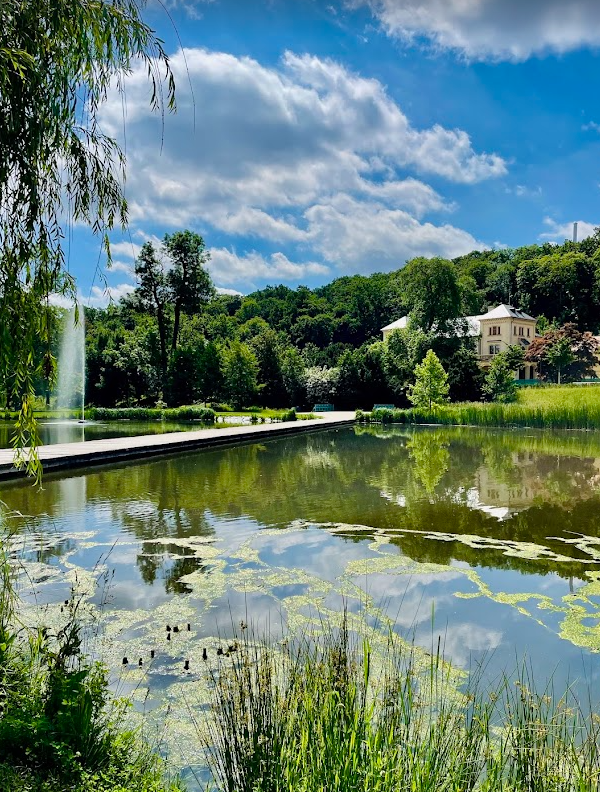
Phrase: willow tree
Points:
(59, 59)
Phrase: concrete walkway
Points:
(64, 456)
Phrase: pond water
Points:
(489, 538)
(52, 432)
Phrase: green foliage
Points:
(332, 713)
(430, 388)
(552, 407)
(405, 349)
(432, 292)
(240, 373)
(205, 414)
(321, 384)
(564, 354)
(59, 728)
(499, 382)
(59, 58)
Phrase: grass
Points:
(551, 407)
(191, 413)
(59, 728)
(328, 714)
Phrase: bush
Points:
(192, 413)
(59, 728)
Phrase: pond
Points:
(489, 538)
(52, 432)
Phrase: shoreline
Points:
(68, 456)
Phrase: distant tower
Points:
(574, 232)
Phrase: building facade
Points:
(494, 331)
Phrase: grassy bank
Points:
(59, 728)
(552, 407)
(334, 715)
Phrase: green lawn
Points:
(550, 407)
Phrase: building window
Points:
(515, 330)
(491, 349)
(494, 330)
(528, 329)
(494, 349)
(520, 331)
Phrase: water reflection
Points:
(506, 486)
(497, 533)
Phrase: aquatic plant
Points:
(329, 713)
(562, 415)
(59, 728)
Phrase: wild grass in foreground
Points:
(59, 729)
(565, 407)
(331, 716)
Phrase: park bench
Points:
(383, 407)
(323, 408)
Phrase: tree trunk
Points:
(176, 326)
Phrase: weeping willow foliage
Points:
(58, 60)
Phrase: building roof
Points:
(503, 311)
(473, 328)
(397, 325)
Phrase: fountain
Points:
(71, 363)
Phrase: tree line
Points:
(176, 340)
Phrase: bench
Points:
(384, 407)
(323, 408)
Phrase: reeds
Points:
(331, 715)
(546, 416)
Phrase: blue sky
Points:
(327, 139)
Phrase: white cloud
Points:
(231, 292)
(124, 267)
(512, 30)
(97, 297)
(561, 231)
(272, 150)
(370, 236)
(227, 267)
(592, 126)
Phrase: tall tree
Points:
(58, 59)
(187, 278)
(153, 293)
(432, 292)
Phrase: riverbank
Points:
(66, 456)
(551, 407)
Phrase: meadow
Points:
(547, 407)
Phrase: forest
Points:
(175, 340)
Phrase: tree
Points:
(321, 384)
(188, 281)
(430, 388)
(564, 354)
(57, 62)
(432, 292)
(292, 371)
(499, 384)
(173, 281)
(240, 373)
(404, 349)
(153, 294)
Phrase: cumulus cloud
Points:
(272, 151)
(98, 296)
(227, 267)
(512, 30)
(560, 231)
(368, 236)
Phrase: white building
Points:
(494, 332)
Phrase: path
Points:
(64, 456)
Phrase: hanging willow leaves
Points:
(58, 61)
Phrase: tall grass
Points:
(566, 415)
(59, 728)
(330, 715)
